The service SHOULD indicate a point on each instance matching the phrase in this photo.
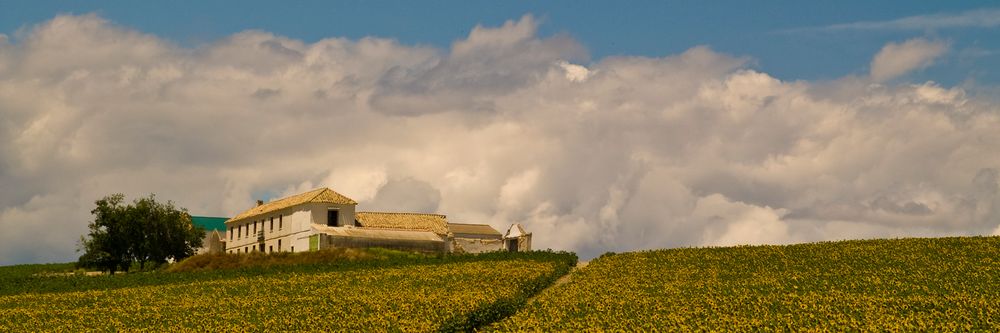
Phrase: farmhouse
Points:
(323, 218)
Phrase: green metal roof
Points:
(210, 223)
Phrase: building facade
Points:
(323, 218)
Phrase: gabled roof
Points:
(473, 229)
(210, 223)
(515, 231)
(435, 223)
(324, 195)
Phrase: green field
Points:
(394, 293)
(943, 284)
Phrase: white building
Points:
(323, 218)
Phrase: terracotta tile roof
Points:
(435, 223)
(473, 229)
(379, 233)
(318, 195)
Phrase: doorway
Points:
(512, 245)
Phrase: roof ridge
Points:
(305, 197)
(318, 192)
(401, 213)
(286, 198)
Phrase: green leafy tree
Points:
(145, 231)
(107, 247)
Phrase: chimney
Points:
(260, 203)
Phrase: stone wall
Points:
(524, 243)
(334, 241)
(472, 245)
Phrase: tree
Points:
(107, 248)
(145, 231)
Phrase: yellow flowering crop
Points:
(405, 298)
(945, 284)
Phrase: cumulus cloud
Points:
(505, 126)
(407, 195)
(896, 59)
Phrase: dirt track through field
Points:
(561, 280)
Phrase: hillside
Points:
(943, 284)
(382, 291)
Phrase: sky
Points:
(599, 127)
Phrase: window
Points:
(279, 225)
(272, 224)
(270, 249)
(229, 230)
(255, 227)
(246, 249)
(332, 217)
(279, 245)
(239, 232)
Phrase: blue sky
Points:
(775, 34)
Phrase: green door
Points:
(314, 243)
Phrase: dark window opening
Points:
(272, 225)
(280, 217)
(279, 245)
(332, 218)
(270, 249)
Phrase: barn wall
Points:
(472, 245)
(477, 236)
(331, 241)
(524, 243)
(318, 213)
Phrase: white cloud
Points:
(405, 194)
(619, 154)
(898, 59)
(978, 18)
(735, 223)
(575, 73)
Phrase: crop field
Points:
(430, 294)
(944, 284)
